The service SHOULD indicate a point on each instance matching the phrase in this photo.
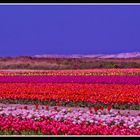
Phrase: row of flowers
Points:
(53, 127)
(51, 95)
(91, 93)
(71, 79)
(111, 117)
(96, 106)
(61, 121)
(96, 72)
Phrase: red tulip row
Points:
(93, 93)
(53, 127)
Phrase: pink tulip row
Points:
(53, 127)
(107, 118)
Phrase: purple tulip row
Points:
(71, 79)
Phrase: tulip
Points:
(37, 106)
(109, 108)
(25, 107)
(55, 108)
(102, 108)
(95, 109)
(47, 108)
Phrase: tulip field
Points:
(70, 102)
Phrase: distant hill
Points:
(75, 61)
(118, 55)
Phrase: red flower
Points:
(37, 106)
(102, 108)
(55, 107)
(109, 108)
(25, 107)
(95, 109)
(47, 108)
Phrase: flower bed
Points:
(72, 79)
(60, 120)
(89, 72)
(87, 94)
(79, 102)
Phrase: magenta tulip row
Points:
(71, 79)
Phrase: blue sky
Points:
(69, 29)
